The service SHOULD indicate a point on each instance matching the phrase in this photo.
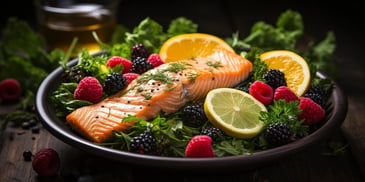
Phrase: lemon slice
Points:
(234, 111)
(294, 67)
(190, 46)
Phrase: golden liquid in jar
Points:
(59, 28)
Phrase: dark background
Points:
(319, 17)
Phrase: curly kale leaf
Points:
(321, 55)
(148, 32)
(289, 28)
(181, 25)
(281, 111)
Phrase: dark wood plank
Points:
(353, 129)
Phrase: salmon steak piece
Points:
(163, 89)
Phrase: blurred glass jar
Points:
(60, 21)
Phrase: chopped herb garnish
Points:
(146, 96)
(192, 76)
(215, 64)
(177, 66)
(171, 88)
(159, 76)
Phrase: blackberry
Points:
(193, 115)
(140, 65)
(278, 134)
(27, 155)
(215, 133)
(114, 82)
(318, 94)
(317, 98)
(275, 78)
(321, 90)
(139, 50)
(242, 88)
(144, 143)
(75, 74)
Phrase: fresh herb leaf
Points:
(149, 33)
(171, 135)
(216, 64)
(289, 28)
(181, 25)
(281, 111)
(321, 55)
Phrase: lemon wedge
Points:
(235, 112)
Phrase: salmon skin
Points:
(164, 89)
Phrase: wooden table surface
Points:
(221, 18)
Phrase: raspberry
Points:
(130, 76)
(155, 59)
(46, 162)
(285, 93)
(116, 60)
(199, 146)
(311, 111)
(89, 89)
(10, 90)
(262, 92)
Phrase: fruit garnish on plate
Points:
(235, 112)
(294, 67)
(190, 46)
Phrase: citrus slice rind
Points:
(294, 67)
(190, 46)
(234, 111)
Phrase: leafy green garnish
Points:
(149, 33)
(171, 135)
(181, 25)
(286, 34)
(94, 64)
(289, 27)
(63, 99)
(321, 55)
(281, 111)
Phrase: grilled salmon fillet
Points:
(164, 89)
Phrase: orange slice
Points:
(190, 46)
(294, 67)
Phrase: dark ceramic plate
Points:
(336, 112)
